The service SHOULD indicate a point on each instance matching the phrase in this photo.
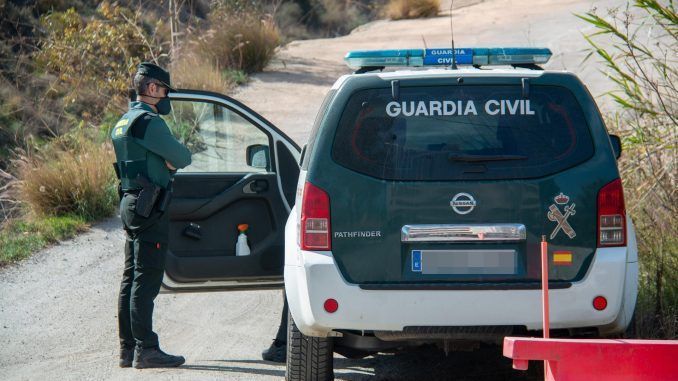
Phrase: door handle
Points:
(255, 186)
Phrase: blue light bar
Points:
(443, 57)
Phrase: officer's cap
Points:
(154, 71)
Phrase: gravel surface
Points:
(58, 309)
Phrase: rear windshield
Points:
(462, 132)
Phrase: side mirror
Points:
(616, 145)
(258, 156)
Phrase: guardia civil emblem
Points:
(560, 217)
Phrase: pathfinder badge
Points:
(554, 214)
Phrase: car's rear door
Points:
(453, 184)
(243, 171)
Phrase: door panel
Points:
(212, 255)
(219, 191)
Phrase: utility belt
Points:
(149, 195)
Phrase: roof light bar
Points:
(443, 57)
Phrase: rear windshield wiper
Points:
(476, 158)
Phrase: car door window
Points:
(217, 137)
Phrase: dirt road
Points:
(58, 309)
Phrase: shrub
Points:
(288, 16)
(340, 17)
(72, 176)
(411, 9)
(641, 62)
(93, 59)
(240, 38)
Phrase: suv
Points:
(419, 208)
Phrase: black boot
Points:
(126, 356)
(153, 357)
(277, 352)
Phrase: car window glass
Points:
(217, 136)
(316, 127)
(462, 132)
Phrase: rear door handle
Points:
(255, 186)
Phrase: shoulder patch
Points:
(122, 122)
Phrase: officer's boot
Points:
(277, 352)
(153, 357)
(126, 356)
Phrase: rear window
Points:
(462, 132)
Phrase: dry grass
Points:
(74, 176)
(244, 40)
(191, 71)
(411, 9)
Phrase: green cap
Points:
(156, 72)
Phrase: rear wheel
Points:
(308, 358)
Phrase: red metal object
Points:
(545, 286)
(586, 359)
(599, 360)
(544, 298)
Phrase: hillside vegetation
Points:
(65, 74)
(642, 63)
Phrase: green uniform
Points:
(142, 143)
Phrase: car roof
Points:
(448, 73)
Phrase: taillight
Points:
(611, 215)
(315, 219)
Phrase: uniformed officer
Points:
(147, 156)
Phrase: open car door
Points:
(244, 171)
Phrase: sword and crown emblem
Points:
(554, 214)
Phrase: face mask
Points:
(164, 106)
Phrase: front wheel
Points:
(308, 358)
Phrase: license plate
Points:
(465, 262)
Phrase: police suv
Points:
(418, 209)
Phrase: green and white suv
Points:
(421, 203)
(416, 210)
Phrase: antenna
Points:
(454, 54)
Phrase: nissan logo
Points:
(463, 203)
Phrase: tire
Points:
(308, 358)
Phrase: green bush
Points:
(645, 74)
(412, 9)
(93, 59)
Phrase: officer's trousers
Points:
(145, 249)
(281, 335)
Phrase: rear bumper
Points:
(313, 277)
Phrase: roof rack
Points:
(370, 60)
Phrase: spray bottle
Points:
(241, 247)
